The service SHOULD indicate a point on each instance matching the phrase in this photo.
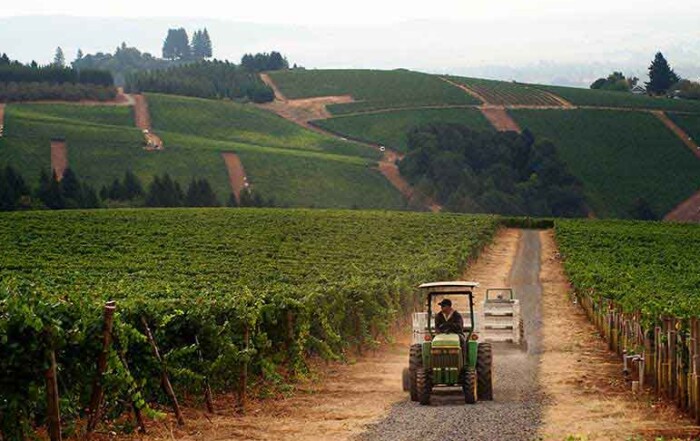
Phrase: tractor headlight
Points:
(474, 336)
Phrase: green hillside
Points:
(391, 128)
(619, 157)
(292, 165)
(229, 121)
(606, 98)
(373, 89)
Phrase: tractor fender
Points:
(472, 348)
(425, 352)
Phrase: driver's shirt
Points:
(453, 323)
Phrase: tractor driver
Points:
(449, 321)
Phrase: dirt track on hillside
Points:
(686, 211)
(2, 116)
(142, 119)
(687, 140)
(236, 173)
(59, 158)
(500, 119)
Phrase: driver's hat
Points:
(445, 302)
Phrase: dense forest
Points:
(204, 79)
(490, 172)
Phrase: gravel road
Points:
(515, 412)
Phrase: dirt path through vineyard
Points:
(236, 173)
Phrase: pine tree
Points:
(132, 187)
(661, 76)
(116, 191)
(208, 50)
(79, 55)
(198, 49)
(232, 201)
(72, 190)
(59, 59)
(176, 45)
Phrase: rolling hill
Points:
(612, 142)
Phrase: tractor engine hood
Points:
(446, 341)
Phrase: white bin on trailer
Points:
(500, 317)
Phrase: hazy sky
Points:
(355, 12)
(558, 41)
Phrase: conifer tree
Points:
(59, 59)
(661, 76)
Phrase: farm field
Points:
(507, 93)
(606, 98)
(208, 274)
(372, 89)
(229, 121)
(648, 267)
(391, 128)
(619, 157)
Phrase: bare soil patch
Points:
(582, 381)
(236, 173)
(2, 118)
(687, 140)
(498, 117)
(142, 119)
(59, 157)
(304, 110)
(686, 211)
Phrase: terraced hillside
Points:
(619, 156)
(508, 93)
(391, 128)
(371, 89)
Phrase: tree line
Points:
(70, 192)
(263, 61)
(124, 61)
(491, 172)
(55, 73)
(204, 79)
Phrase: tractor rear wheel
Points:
(484, 363)
(415, 361)
(469, 385)
(424, 384)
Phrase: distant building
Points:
(638, 90)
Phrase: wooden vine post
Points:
(97, 390)
(52, 406)
(165, 381)
(243, 378)
(207, 390)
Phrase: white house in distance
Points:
(638, 90)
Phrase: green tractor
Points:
(439, 359)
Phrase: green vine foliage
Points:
(651, 267)
(302, 282)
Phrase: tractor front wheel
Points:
(415, 361)
(469, 385)
(484, 363)
(424, 385)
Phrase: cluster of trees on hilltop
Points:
(71, 192)
(490, 172)
(125, 60)
(263, 61)
(177, 45)
(616, 81)
(663, 80)
(204, 79)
